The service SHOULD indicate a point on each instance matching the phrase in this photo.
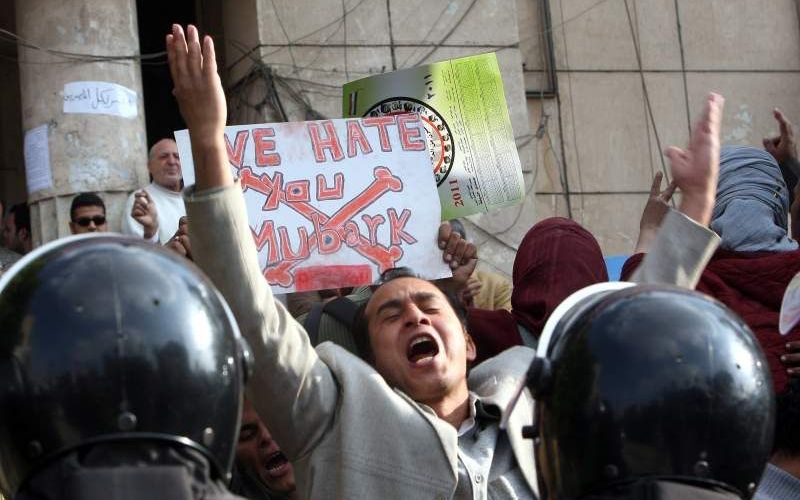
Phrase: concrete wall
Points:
(749, 50)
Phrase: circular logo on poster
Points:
(440, 140)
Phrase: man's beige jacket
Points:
(348, 434)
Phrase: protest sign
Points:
(335, 203)
(463, 107)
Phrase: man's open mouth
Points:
(276, 464)
(422, 347)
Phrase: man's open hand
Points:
(696, 169)
(197, 85)
(201, 100)
(782, 147)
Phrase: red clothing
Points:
(555, 258)
(752, 285)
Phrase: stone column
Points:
(88, 152)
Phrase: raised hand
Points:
(144, 212)
(201, 100)
(654, 212)
(657, 204)
(782, 147)
(695, 170)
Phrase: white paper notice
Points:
(37, 160)
(102, 98)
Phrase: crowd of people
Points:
(419, 389)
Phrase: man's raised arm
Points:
(291, 388)
(683, 244)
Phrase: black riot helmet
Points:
(649, 383)
(108, 338)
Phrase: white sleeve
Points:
(129, 224)
(679, 255)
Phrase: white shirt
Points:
(170, 208)
(487, 469)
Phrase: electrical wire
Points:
(344, 29)
(283, 29)
(646, 94)
(263, 73)
(679, 29)
(566, 21)
(562, 165)
(434, 25)
(307, 35)
(9, 37)
(448, 34)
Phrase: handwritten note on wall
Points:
(37, 160)
(102, 98)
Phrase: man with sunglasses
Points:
(87, 214)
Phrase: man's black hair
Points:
(85, 200)
(361, 322)
(22, 216)
(787, 420)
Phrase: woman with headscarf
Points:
(757, 257)
(555, 258)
